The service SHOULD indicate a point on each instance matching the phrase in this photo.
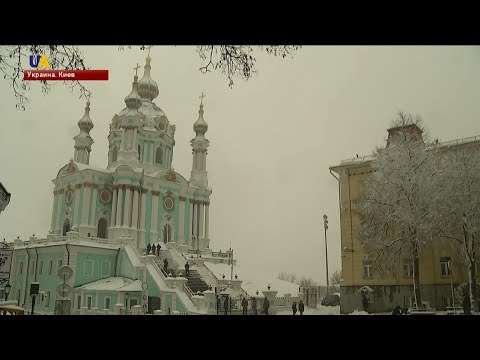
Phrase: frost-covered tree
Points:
(396, 201)
(336, 278)
(456, 199)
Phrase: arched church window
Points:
(66, 227)
(114, 154)
(159, 156)
(167, 233)
(139, 152)
(102, 228)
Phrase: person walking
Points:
(158, 250)
(254, 305)
(266, 305)
(244, 306)
(225, 306)
(301, 307)
(149, 247)
(294, 307)
(154, 250)
(187, 269)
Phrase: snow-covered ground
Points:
(320, 310)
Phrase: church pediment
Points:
(70, 168)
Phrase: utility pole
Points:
(325, 225)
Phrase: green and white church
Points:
(103, 220)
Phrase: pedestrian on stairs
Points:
(154, 250)
(244, 306)
(149, 247)
(301, 307)
(158, 250)
(165, 265)
(187, 269)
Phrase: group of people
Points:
(154, 250)
(244, 303)
(301, 307)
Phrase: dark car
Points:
(331, 300)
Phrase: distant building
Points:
(4, 198)
(358, 271)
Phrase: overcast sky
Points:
(272, 138)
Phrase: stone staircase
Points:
(196, 283)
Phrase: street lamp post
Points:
(451, 284)
(8, 287)
(325, 225)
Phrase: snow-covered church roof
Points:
(113, 284)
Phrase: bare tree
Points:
(63, 57)
(307, 282)
(287, 277)
(457, 204)
(232, 60)
(336, 278)
(395, 204)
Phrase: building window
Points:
(408, 267)
(89, 302)
(114, 154)
(107, 303)
(19, 296)
(159, 156)
(47, 299)
(60, 263)
(40, 267)
(88, 268)
(139, 153)
(102, 228)
(20, 268)
(106, 268)
(133, 302)
(444, 269)
(66, 227)
(167, 233)
(79, 301)
(50, 266)
(32, 267)
(367, 269)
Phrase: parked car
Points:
(331, 300)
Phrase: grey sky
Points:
(272, 138)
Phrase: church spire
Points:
(199, 144)
(133, 100)
(83, 141)
(147, 87)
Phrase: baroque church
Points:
(104, 222)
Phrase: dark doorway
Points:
(153, 304)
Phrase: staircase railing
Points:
(188, 291)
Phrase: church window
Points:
(66, 227)
(50, 266)
(107, 303)
(114, 154)
(139, 153)
(167, 233)
(106, 268)
(159, 156)
(79, 301)
(102, 228)
(89, 302)
(444, 266)
(367, 269)
(88, 268)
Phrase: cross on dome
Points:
(136, 69)
(201, 98)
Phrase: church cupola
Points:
(147, 87)
(83, 141)
(199, 150)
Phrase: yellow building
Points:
(385, 291)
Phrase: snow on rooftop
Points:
(108, 284)
(253, 281)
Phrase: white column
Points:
(75, 211)
(135, 209)
(152, 153)
(58, 226)
(201, 220)
(118, 221)
(206, 220)
(189, 234)
(145, 147)
(53, 221)
(127, 206)
(85, 206)
(195, 217)
(114, 207)
(154, 222)
(142, 210)
(93, 205)
(181, 222)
